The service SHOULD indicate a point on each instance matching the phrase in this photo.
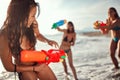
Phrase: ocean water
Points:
(90, 57)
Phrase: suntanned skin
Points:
(113, 22)
(41, 71)
(65, 46)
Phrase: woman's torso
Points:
(28, 41)
(68, 38)
(115, 32)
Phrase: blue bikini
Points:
(116, 39)
(116, 28)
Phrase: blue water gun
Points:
(58, 24)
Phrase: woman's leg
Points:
(71, 64)
(119, 49)
(28, 76)
(65, 66)
(46, 73)
(113, 47)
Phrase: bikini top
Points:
(116, 28)
(66, 39)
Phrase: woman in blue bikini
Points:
(113, 24)
(69, 38)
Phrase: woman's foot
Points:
(116, 69)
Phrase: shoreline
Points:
(94, 34)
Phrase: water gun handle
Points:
(103, 30)
(56, 55)
(59, 23)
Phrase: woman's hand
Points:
(108, 22)
(39, 67)
(53, 43)
(72, 43)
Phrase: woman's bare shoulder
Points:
(2, 34)
(3, 38)
(74, 33)
(3, 43)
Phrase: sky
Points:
(83, 13)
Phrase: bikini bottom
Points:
(67, 51)
(115, 39)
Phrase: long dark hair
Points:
(116, 13)
(17, 14)
(72, 25)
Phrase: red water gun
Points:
(99, 25)
(43, 56)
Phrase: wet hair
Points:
(72, 25)
(116, 14)
(17, 15)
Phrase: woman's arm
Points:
(61, 30)
(6, 57)
(40, 37)
(109, 25)
(74, 39)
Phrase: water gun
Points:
(98, 25)
(43, 56)
(58, 24)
